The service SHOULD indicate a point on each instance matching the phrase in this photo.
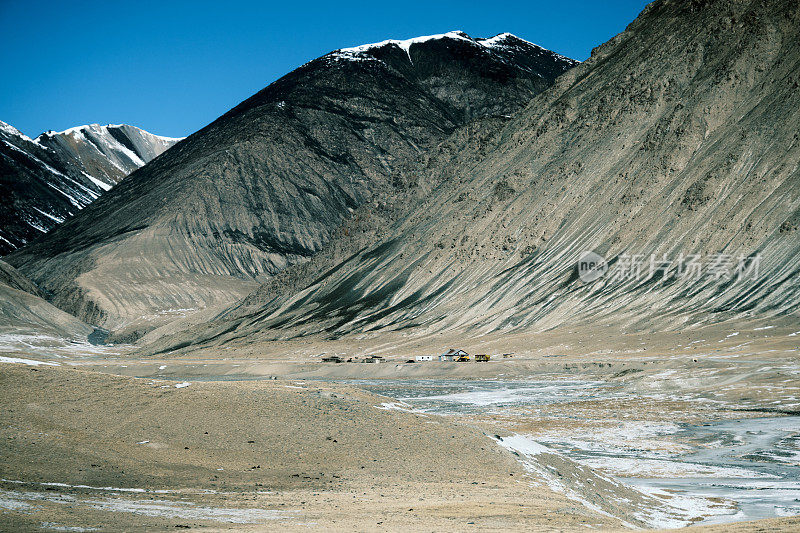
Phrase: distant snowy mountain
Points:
(47, 179)
(125, 147)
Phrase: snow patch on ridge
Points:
(404, 45)
(11, 130)
(501, 41)
(504, 41)
(103, 185)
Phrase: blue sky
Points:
(173, 67)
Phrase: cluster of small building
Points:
(459, 356)
(365, 359)
(455, 355)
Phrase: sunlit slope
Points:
(677, 137)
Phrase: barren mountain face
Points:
(267, 184)
(48, 179)
(26, 318)
(677, 140)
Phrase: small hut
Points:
(454, 355)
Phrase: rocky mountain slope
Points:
(25, 314)
(47, 179)
(677, 137)
(268, 183)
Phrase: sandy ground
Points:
(318, 456)
(296, 453)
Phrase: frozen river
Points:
(753, 462)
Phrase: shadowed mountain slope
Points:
(679, 136)
(26, 315)
(267, 184)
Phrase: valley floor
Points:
(575, 430)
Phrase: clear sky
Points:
(171, 67)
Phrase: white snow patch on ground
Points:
(524, 445)
(30, 362)
(26, 501)
(86, 487)
(639, 439)
(9, 502)
(187, 510)
(397, 406)
(687, 507)
(512, 395)
(50, 345)
(663, 510)
(52, 526)
(634, 467)
(520, 443)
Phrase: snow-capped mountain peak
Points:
(509, 41)
(404, 44)
(59, 173)
(502, 44)
(362, 52)
(11, 130)
(98, 129)
(125, 147)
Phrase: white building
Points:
(454, 355)
(424, 358)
